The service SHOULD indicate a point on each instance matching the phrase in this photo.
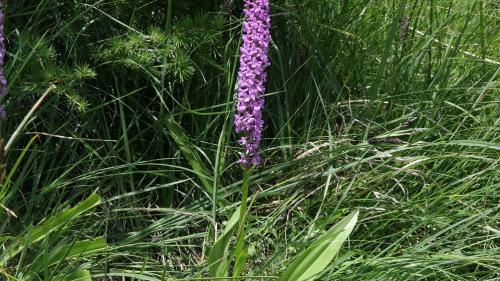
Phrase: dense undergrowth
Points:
(389, 107)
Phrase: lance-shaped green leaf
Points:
(312, 261)
(217, 258)
(79, 275)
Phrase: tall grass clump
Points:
(379, 148)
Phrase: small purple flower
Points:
(252, 78)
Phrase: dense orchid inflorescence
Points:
(252, 78)
(3, 80)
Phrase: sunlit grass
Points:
(361, 113)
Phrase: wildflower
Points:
(252, 77)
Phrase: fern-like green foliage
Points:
(40, 67)
(174, 54)
(152, 54)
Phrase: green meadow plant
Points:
(379, 151)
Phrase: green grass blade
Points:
(76, 250)
(4, 186)
(191, 155)
(50, 225)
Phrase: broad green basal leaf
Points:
(312, 261)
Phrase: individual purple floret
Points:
(252, 78)
(3, 81)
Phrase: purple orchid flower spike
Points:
(252, 78)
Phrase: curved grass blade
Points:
(78, 249)
(191, 155)
(52, 224)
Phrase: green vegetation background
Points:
(389, 107)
